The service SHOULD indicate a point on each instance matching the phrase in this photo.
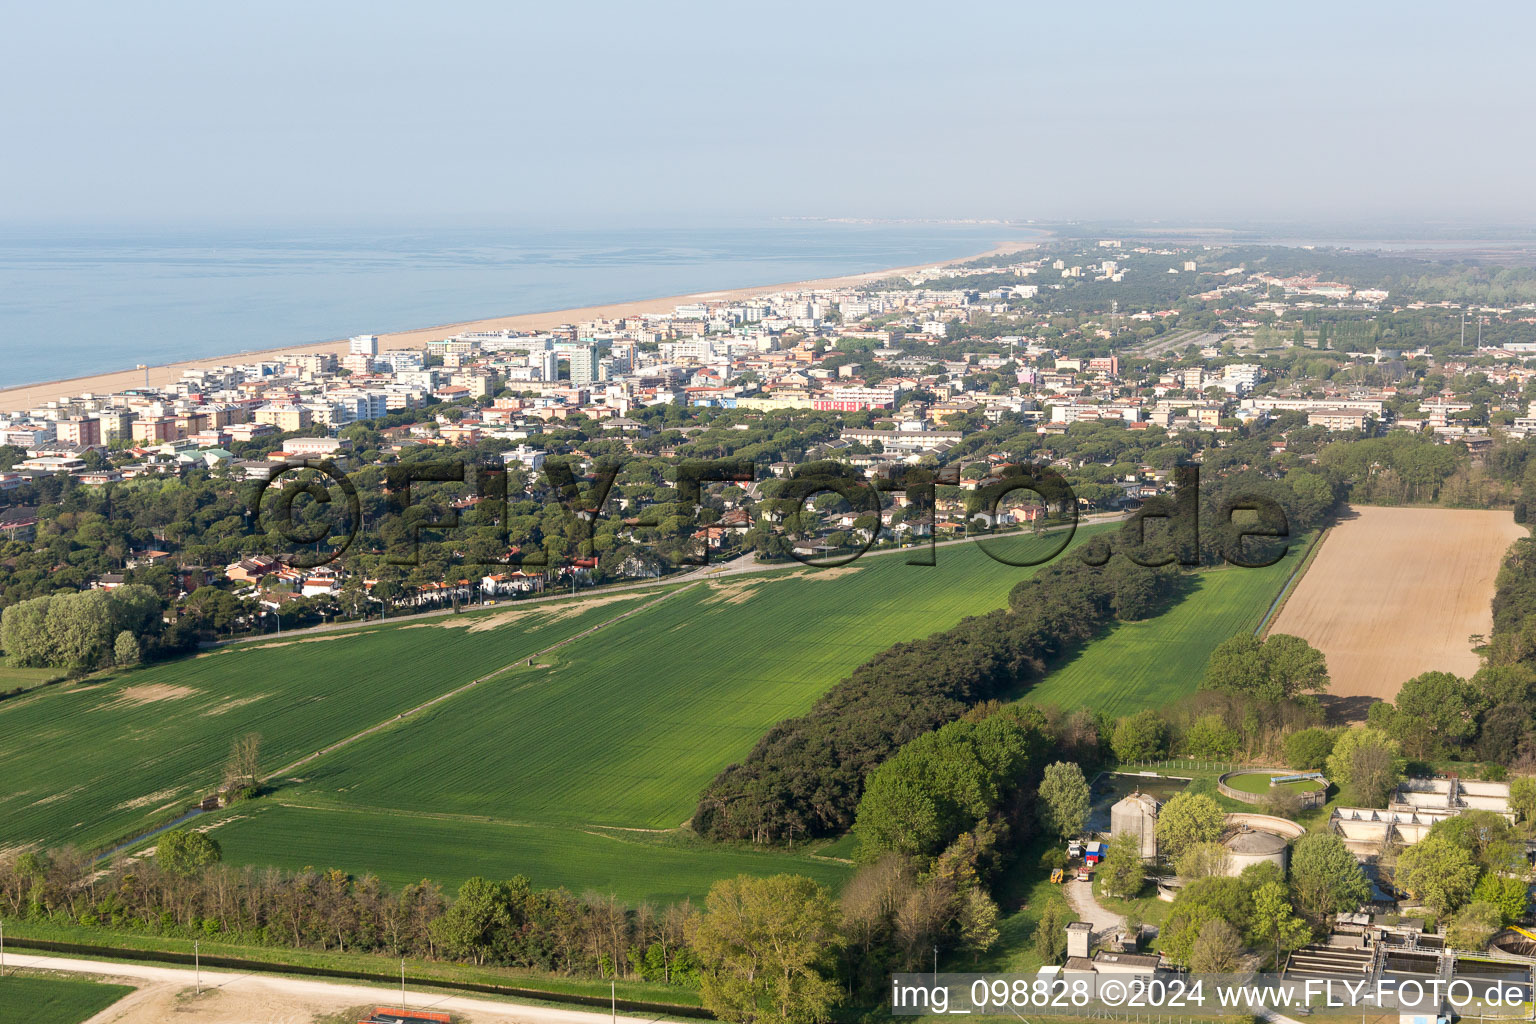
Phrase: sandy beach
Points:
(26, 396)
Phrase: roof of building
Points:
(387, 1015)
(1148, 960)
(1254, 842)
(1142, 800)
(18, 515)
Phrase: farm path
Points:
(1080, 898)
(288, 769)
(232, 998)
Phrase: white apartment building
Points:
(362, 404)
(1244, 374)
(904, 440)
(1438, 412)
(530, 459)
(1374, 407)
(584, 364)
(546, 361)
(453, 346)
(402, 360)
(694, 349)
(425, 380)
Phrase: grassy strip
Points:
(123, 946)
(1290, 584)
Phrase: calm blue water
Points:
(75, 302)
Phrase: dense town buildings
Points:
(912, 369)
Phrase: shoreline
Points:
(20, 397)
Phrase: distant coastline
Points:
(20, 397)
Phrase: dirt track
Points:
(1397, 591)
(167, 993)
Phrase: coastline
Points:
(21, 397)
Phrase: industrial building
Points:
(1361, 951)
(1414, 807)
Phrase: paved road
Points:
(233, 998)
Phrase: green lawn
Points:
(26, 999)
(402, 848)
(88, 763)
(548, 770)
(1155, 662)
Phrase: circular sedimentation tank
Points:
(1252, 846)
(1252, 786)
(1514, 944)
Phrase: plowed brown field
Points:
(1394, 592)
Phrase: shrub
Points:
(1140, 737)
(1308, 749)
(1050, 937)
(1474, 926)
(1211, 737)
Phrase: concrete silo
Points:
(1136, 814)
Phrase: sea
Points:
(77, 301)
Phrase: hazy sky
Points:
(642, 112)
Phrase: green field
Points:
(536, 769)
(88, 763)
(401, 847)
(25, 678)
(1155, 662)
(578, 770)
(545, 766)
(627, 726)
(34, 1000)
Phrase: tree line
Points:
(185, 891)
(79, 631)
